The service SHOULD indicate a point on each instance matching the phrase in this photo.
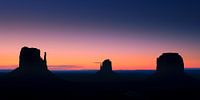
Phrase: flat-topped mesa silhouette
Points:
(31, 64)
(106, 67)
(170, 73)
(30, 60)
(170, 64)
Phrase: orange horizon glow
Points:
(130, 62)
(85, 58)
(85, 47)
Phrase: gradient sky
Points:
(78, 33)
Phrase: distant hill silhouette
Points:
(31, 64)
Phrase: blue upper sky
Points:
(145, 13)
(178, 17)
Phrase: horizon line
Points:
(98, 69)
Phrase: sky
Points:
(77, 34)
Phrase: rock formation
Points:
(106, 67)
(31, 64)
(170, 64)
(170, 73)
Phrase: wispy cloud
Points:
(50, 67)
(64, 67)
(8, 66)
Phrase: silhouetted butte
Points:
(170, 64)
(170, 69)
(106, 68)
(31, 64)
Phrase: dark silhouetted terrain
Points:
(33, 81)
(83, 84)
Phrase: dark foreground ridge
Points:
(33, 81)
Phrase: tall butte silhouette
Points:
(170, 64)
(105, 68)
(31, 64)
